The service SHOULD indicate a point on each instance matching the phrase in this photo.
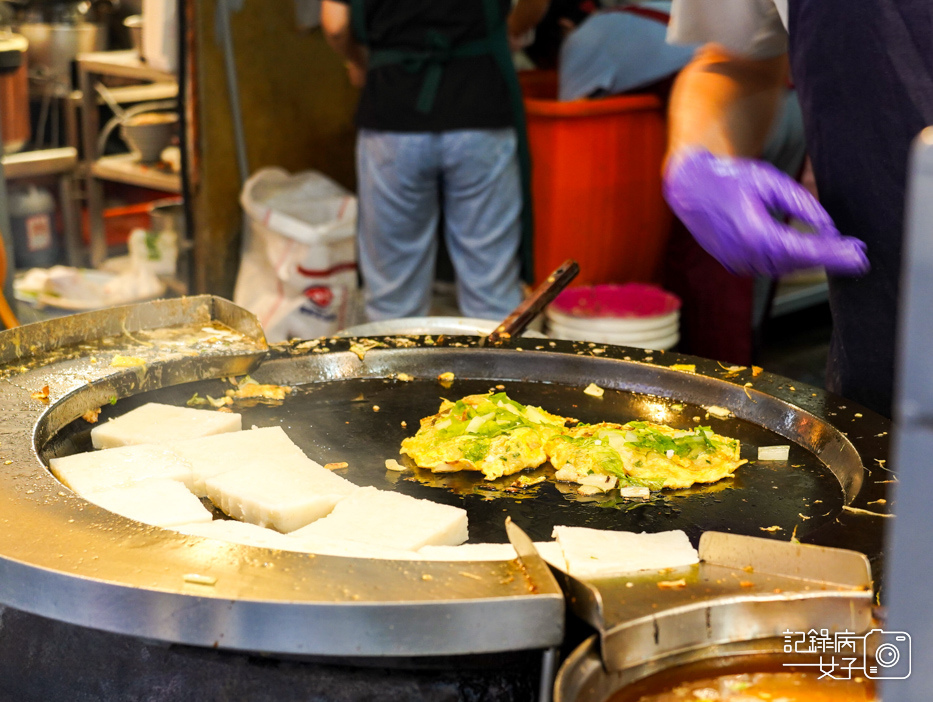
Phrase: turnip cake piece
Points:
(238, 533)
(391, 519)
(119, 467)
(155, 423)
(286, 492)
(595, 553)
(212, 455)
(159, 502)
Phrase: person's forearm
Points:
(526, 15)
(724, 103)
(335, 21)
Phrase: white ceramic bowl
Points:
(614, 324)
(615, 308)
(614, 337)
(148, 133)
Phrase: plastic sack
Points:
(298, 265)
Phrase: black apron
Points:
(437, 52)
(863, 70)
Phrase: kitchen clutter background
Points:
(77, 165)
(279, 237)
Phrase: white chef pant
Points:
(405, 180)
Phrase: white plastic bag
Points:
(298, 267)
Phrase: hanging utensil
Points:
(531, 307)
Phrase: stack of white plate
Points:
(633, 314)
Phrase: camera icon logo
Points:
(887, 655)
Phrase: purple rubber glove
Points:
(727, 204)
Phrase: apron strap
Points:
(431, 61)
(358, 21)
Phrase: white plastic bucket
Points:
(610, 337)
(298, 266)
(661, 342)
(634, 325)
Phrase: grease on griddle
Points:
(247, 393)
(361, 346)
(514, 487)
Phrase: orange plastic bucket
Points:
(596, 183)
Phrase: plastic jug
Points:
(32, 222)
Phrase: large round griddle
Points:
(64, 558)
(335, 421)
(347, 409)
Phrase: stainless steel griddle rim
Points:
(365, 629)
(414, 619)
(831, 586)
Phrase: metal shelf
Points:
(33, 164)
(122, 168)
(123, 64)
(126, 168)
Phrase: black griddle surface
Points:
(336, 421)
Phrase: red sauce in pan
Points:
(750, 687)
(748, 679)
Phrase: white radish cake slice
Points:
(238, 533)
(212, 455)
(469, 552)
(325, 546)
(155, 423)
(284, 491)
(391, 519)
(119, 467)
(159, 502)
(548, 550)
(595, 553)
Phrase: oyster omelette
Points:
(498, 436)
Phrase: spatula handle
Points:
(531, 307)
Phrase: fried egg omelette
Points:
(643, 453)
(489, 433)
(497, 436)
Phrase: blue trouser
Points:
(405, 180)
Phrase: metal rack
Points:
(123, 168)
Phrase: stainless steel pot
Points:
(53, 47)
